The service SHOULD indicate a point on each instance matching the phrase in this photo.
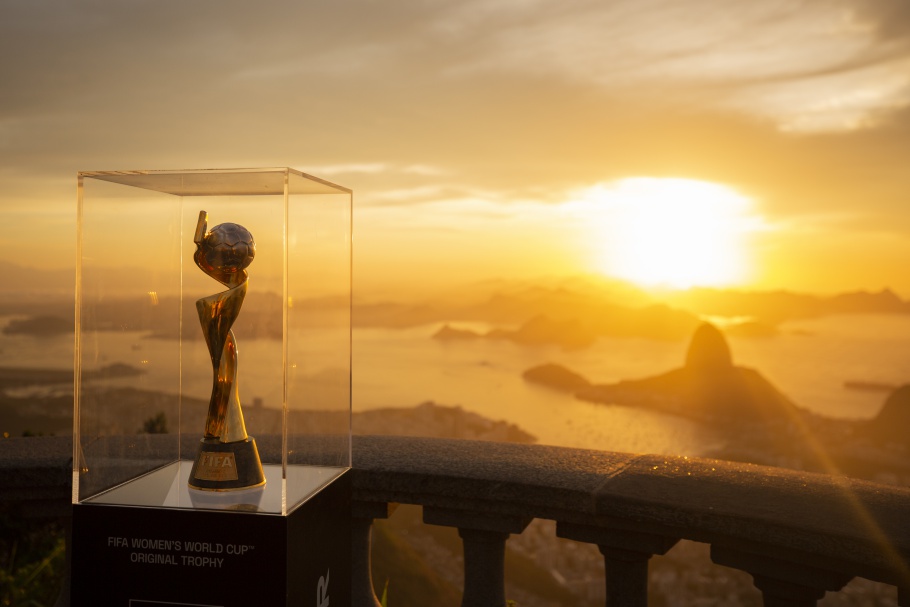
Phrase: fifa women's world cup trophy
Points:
(228, 459)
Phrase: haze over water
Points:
(809, 361)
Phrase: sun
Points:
(671, 232)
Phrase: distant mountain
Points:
(656, 322)
(447, 333)
(572, 312)
(27, 283)
(777, 306)
(576, 318)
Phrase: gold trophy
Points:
(227, 459)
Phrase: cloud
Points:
(347, 169)
(890, 19)
(65, 56)
(840, 101)
(135, 75)
(744, 56)
(431, 194)
(425, 170)
(519, 97)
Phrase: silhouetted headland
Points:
(869, 386)
(708, 387)
(754, 420)
(557, 376)
(39, 326)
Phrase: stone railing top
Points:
(507, 478)
(843, 524)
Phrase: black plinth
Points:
(127, 556)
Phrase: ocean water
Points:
(809, 361)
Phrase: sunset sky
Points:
(754, 144)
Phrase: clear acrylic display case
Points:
(143, 372)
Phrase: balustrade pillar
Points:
(626, 555)
(484, 567)
(362, 515)
(484, 538)
(783, 582)
(626, 577)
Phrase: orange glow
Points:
(674, 232)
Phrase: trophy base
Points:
(226, 466)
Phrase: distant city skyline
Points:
(499, 140)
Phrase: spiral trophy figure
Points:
(228, 459)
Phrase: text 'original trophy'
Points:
(228, 459)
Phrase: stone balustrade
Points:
(798, 534)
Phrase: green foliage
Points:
(32, 561)
(384, 601)
(156, 424)
(527, 575)
(412, 581)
